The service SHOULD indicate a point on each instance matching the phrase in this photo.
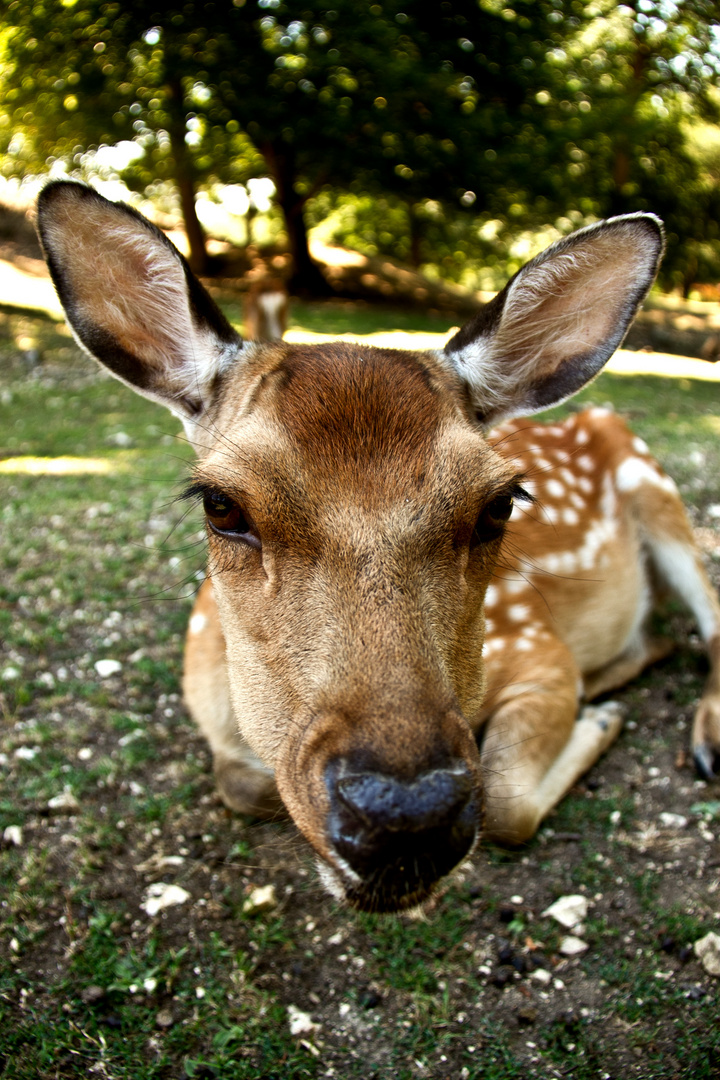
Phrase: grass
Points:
(102, 565)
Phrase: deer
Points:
(265, 309)
(414, 593)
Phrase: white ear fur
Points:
(559, 319)
(131, 299)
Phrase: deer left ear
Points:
(132, 300)
(559, 320)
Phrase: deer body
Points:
(393, 635)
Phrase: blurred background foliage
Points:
(456, 136)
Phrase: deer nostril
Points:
(383, 802)
(399, 837)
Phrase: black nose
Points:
(399, 837)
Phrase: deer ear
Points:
(131, 299)
(559, 319)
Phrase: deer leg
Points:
(536, 747)
(628, 666)
(678, 564)
(243, 782)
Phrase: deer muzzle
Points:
(398, 837)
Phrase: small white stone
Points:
(707, 950)
(65, 803)
(260, 899)
(13, 835)
(120, 438)
(27, 753)
(568, 910)
(673, 821)
(162, 895)
(301, 1023)
(541, 975)
(573, 946)
(106, 668)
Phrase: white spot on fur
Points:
(524, 644)
(493, 645)
(570, 516)
(551, 514)
(518, 612)
(608, 499)
(491, 596)
(640, 446)
(581, 436)
(198, 623)
(585, 484)
(555, 489)
(633, 472)
(585, 462)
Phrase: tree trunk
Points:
(306, 279)
(185, 180)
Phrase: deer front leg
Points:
(536, 746)
(706, 726)
(243, 782)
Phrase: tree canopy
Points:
(524, 111)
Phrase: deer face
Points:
(361, 517)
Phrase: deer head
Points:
(355, 513)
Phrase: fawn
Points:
(406, 609)
(265, 310)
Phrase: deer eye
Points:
(226, 517)
(493, 519)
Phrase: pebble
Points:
(165, 1018)
(160, 895)
(573, 946)
(568, 910)
(106, 668)
(541, 975)
(13, 834)
(301, 1023)
(65, 803)
(673, 821)
(260, 899)
(707, 950)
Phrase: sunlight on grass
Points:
(58, 466)
(390, 339)
(625, 362)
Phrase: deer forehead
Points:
(327, 431)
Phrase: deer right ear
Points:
(559, 320)
(131, 299)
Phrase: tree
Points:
(354, 93)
